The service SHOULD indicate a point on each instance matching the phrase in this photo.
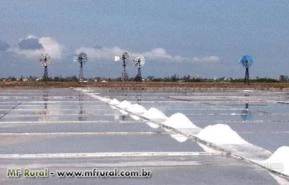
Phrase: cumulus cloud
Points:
(100, 53)
(30, 44)
(161, 54)
(155, 54)
(33, 47)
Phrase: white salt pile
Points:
(124, 104)
(155, 115)
(114, 102)
(136, 109)
(182, 123)
(179, 120)
(279, 160)
(221, 134)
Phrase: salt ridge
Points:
(220, 134)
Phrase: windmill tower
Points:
(139, 62)
(124, 57)
(247, 61)
(82, 59)
(45, 60)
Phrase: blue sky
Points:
(184, 37)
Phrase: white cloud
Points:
(208, 59)
(156, 54)
(49, 46)
(101, 53)
(161, 54)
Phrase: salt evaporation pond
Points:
(222, 134)
(94, 122)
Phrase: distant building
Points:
(283, 78)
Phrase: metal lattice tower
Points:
(138, 76)
(247, 61)
(139, 62)
(45, 59)
(124, 57)
(82, 59)
(247, 76)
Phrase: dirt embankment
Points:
(150, 85)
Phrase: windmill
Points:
(247, 61)
(45, 60)
(124, 57)
(139, 62)
(82, 59)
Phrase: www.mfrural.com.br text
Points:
(83, 173)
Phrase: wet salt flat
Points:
(75, 129)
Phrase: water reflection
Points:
(246, 114)
(139, 98)
(118, 116)
(82, 116)
(44, 113)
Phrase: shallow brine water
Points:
(57, 122)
